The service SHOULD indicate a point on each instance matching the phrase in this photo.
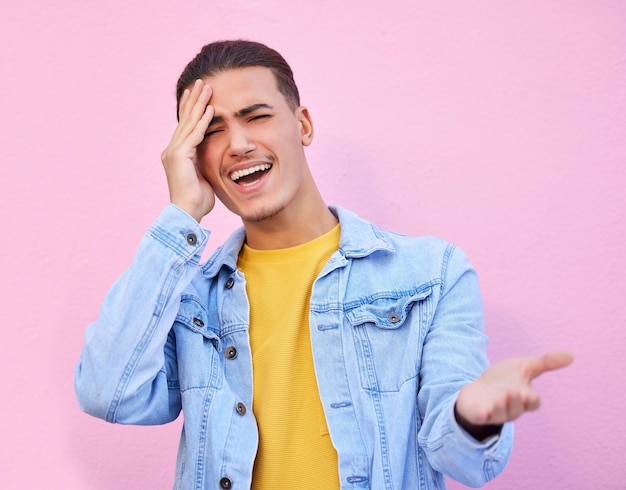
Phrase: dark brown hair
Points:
(229, 55)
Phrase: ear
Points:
(306, 125)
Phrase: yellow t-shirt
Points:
(295, 450)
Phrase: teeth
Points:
(235, 176)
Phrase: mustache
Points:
(254, 157)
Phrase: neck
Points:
(295, 225)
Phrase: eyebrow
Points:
(241, 113)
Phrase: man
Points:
(312, 350)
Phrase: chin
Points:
(261, 214)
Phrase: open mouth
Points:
(248, 176)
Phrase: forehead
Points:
(242, 87)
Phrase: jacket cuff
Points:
(465, 456)
(461, 434)
(180, 232)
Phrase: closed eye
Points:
(212, 132)
(260, 116)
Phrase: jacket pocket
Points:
(198, 346)
(388, 334)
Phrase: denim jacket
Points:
(396, 327)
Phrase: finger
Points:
(515, 405)
(197, 114)
(558, 359)
(183, 112)
(202, 99)
(498, 412)
(549, 362)
(532, 401)
(194, 92)
(198, 134)
(193, 111)
(183, 102)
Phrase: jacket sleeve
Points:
(127, 371)
(454, 354)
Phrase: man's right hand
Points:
(189, 190)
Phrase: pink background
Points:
(500, 126)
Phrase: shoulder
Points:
(421, 259)
(359, 236)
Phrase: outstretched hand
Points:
(189, 190)
(504, 392)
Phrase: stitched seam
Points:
(141, 347)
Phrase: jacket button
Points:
(191, 238)
(393, 317)
(226, 483)
(231, 352)
(229, 284)
(241, 408)
(198, 322)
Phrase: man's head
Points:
(242, 96)
(221, 56)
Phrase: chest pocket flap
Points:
(387, 312)
(197, 347)
(388, 333)
(193, 315)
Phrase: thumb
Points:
(550, 362)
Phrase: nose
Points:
(241, 141)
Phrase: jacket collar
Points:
(359, 238)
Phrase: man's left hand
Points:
(504, 392)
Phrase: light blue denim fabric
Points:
(396, 328)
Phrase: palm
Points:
(504, 390)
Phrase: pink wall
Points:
(498, 125)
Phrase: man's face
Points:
(253, 153)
